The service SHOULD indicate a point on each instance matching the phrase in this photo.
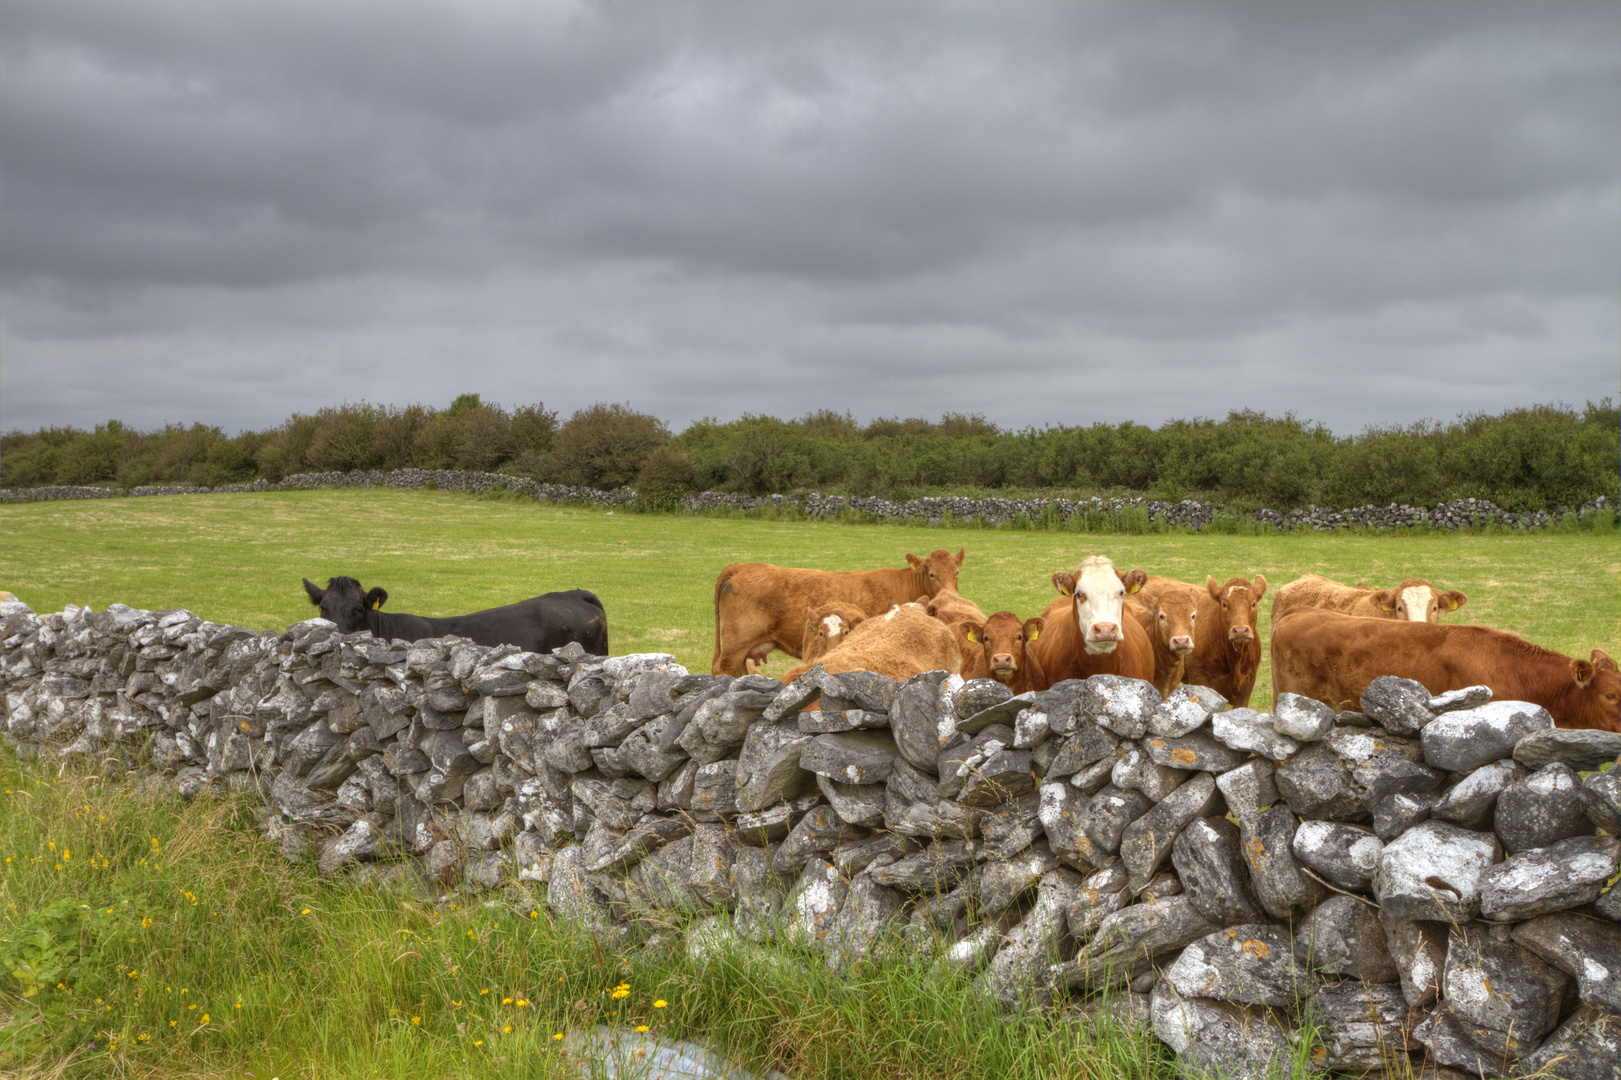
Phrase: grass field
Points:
(239, 558)
(163, 940)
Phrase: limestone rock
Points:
(1347, 855)
(1184, 710)
(1584, 948)
(1343, 936)
(1248, 730)
(1469, 738)
(1419, 950)
(1503, 995)
(768, 767)
(1587, 1046)
(1548, 879)
(1471, 802)
(1209, 859)
(1135, 770)
(1542, 809)
(1146, 842)
(1203, 750)
(1274, 872)
(1251, 964)
(1239, 1041)
(1360, 1025)
(1433, 871)
(1400, 706)
(851, 757)
(1019, 971)
(1301, 718)
(1250, 788)
(1316, 784)
(1582, 749)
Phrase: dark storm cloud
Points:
(1047, 213)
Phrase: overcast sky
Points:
(1065, 213)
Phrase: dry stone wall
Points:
(1458, 513)
(1427, 879)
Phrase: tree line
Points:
(1535, 458)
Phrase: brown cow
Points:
(1084, 630)
(999, 648)
(1333, 658)
(1169, 622)
(956, 611)
(1226, 644)
(827, 626)
(760, 607)
(1414, 600)
(902, 642)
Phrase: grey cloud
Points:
(230, 212)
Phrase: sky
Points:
(1064, 213)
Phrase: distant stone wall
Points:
(1195, 515)
(1423, 879)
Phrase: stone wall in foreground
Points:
(1422, 880)
(1187, 513)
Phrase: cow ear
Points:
(377, 598)
(1064, 583)
(1386, 599)
(961, 552)
(315, 591)
(1260, 586)
(973, 632)
(1602, 661)
(1582, 671)
(1212, 588)
(1452, 600)
(1134, 581)
(853, 621)
(913, 561)
(1034, 627)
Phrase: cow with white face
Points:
(1099, 593)
(1414, 600)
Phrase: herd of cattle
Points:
(1329, 641)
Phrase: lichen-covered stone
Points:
(1146, 842)
(1251, 731)
(1548, 879)
(1274, 871)
(1433, 870)
(1019, 971)
(1316, 784)
(1250, 788)
(1360, 1026)
(1251, 964)
(1301, 718)
(1239, 1041)
(1347, 855)
(1343, 936)
(1400, 706)
(1209, 859)
(1586, 949)
(1200, 751)
(1183, 710)
(1601, 798)
(1542, 809)
(1471, 802)
(1505, 998)
(1587, 1046)
(1469, 738)
(1581, 749)
(851, 757)
(1135, 770)
(1122, 705)
(1420, 952)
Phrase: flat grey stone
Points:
(1019, 971)
(915, 720)
(717, 729)
(1420, 952)
(1062, 811)
(868, 911)
(795, 695)
(1103, 893)
(1135, 770)
(1122, 705)
(1506, 998)
(1183, 710)
(1470, 697)
(1471, 802)
(1316, 784)
(853, 856)
(1400, 706)
(1239, 1041)
(1582, 749)
(817, 833)
(760, 891)
(1542, 809)
(768, 769)
(1601, 798)
(999, 778)
(1146, 842)
(570, 894)
(1274, 871)
(1346, 855)
(1343, 936)
(938, 868)
(858, 804)
(956, 762)
(619, 851)
(977, 695)
(1201, 751)
(1582, 947)
(812, 909)
(1251, 963)
(714, 788)
(1450, 1050)
(1587, 1046)
(1000, 882)
(824, 721)
(1132, 937)
(1004, 710)
(1469, 738)
(1085, 744)
(1248, 730)
(1360, 1026)
(1030, 726)
(1209, 859)
(1302, 718)
(1433, 871)
(865, 690)
(1548, 879)
(851, 757)
(1397, 814)
(1250, 788)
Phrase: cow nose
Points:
(1106, 631)
(1181, 644)
(1241, 633)
(1002, 661)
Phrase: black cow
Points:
(539, 624)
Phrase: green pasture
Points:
(238, 559)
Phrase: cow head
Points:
(1002, 637)
(1239, 600)
(1175, 615)
(1100, 596)
(826, 625)
(939, 570)
(344, 602)
(1598, 681)
(1416, 600)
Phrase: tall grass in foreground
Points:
(141, 936)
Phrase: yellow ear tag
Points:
(1387, 607)
(972, 636)
(1134, 587)
(1034, 634)
(376, 604)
